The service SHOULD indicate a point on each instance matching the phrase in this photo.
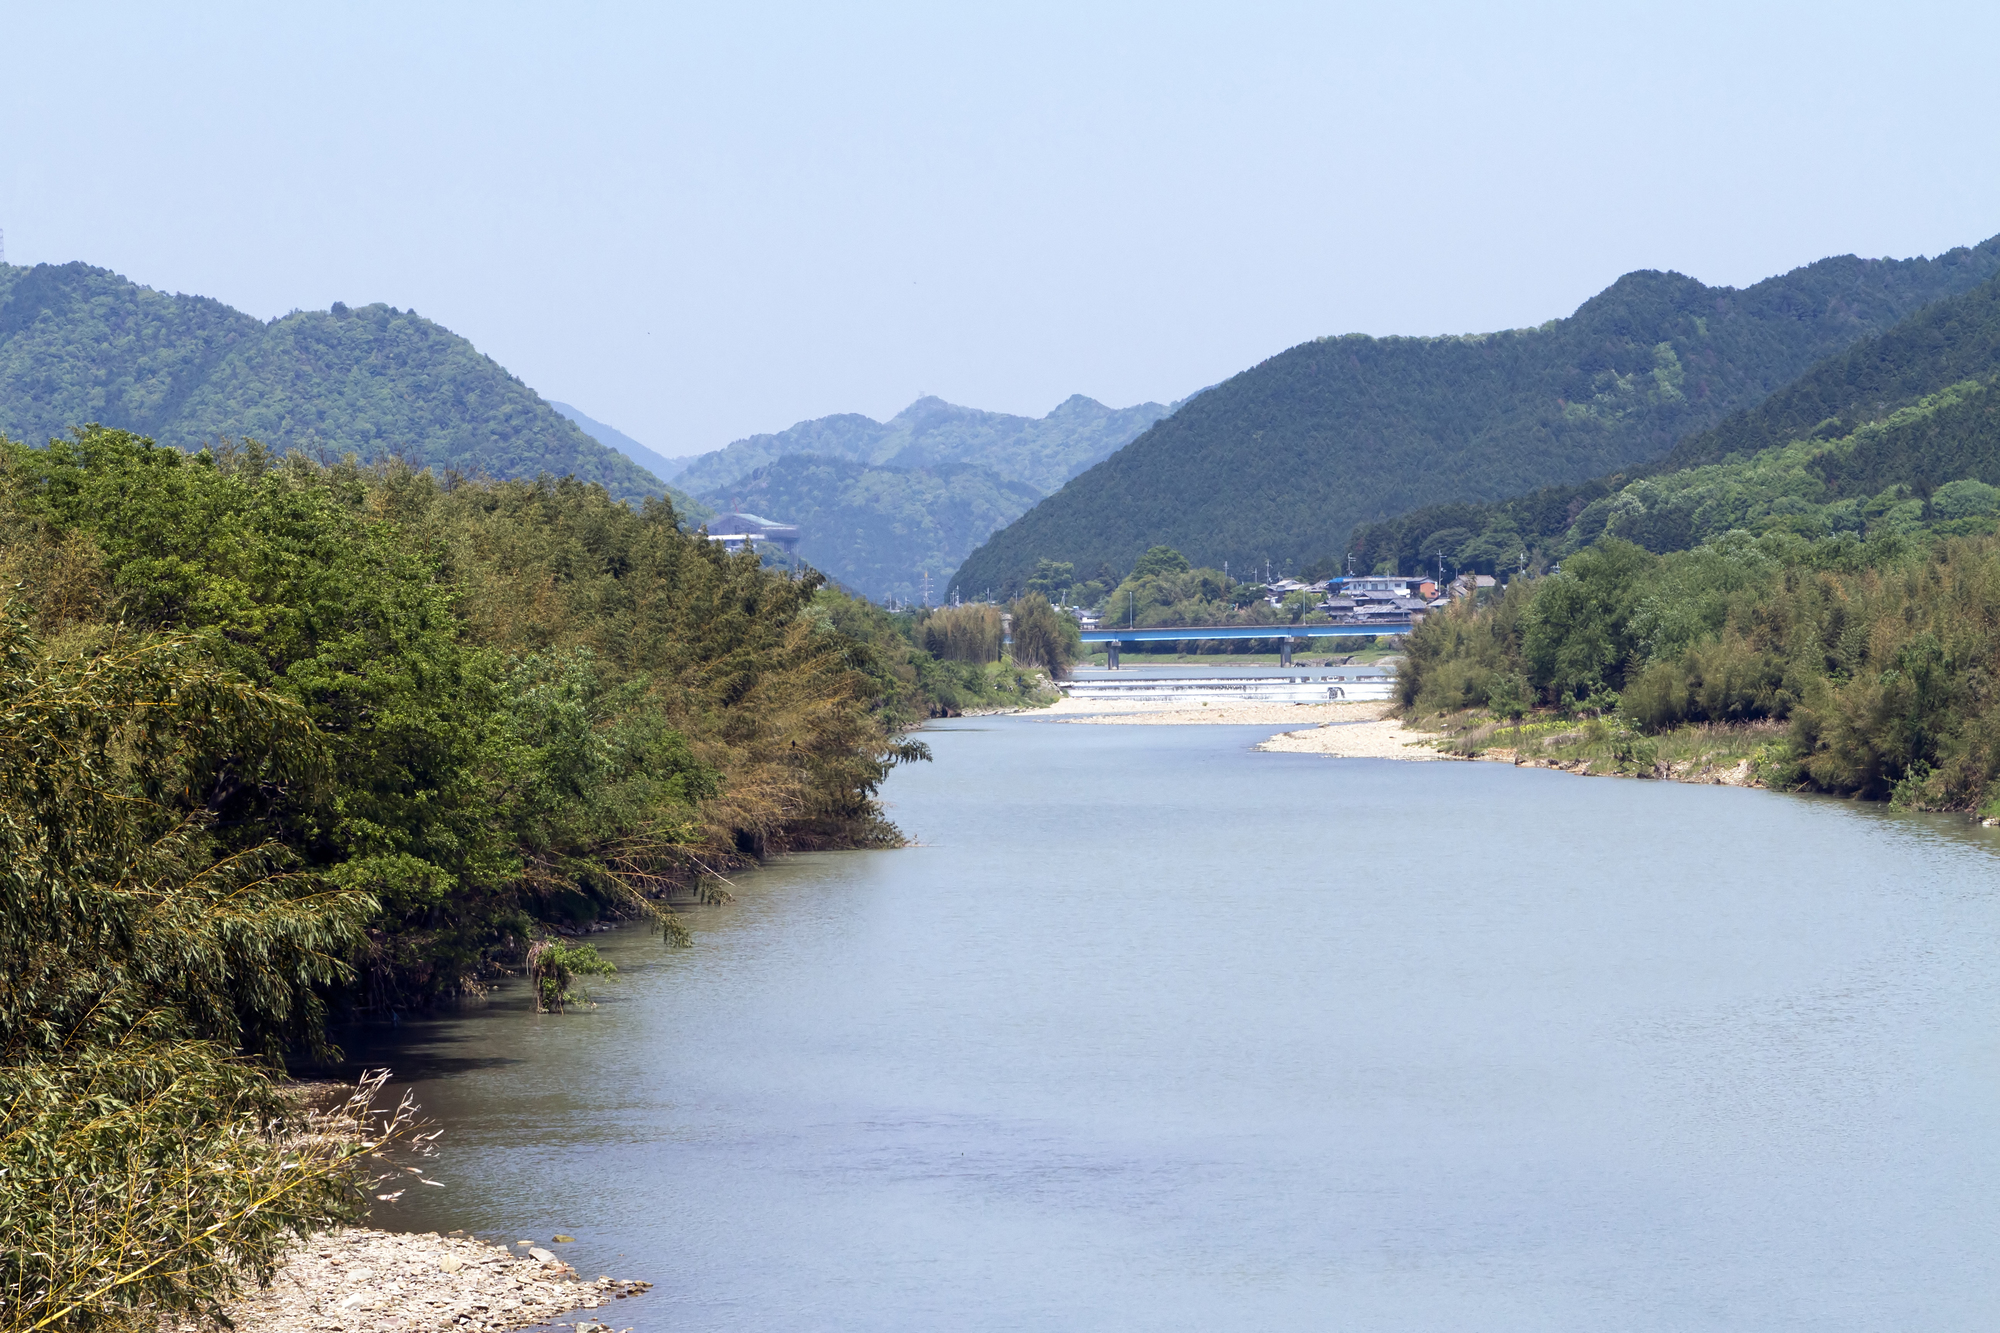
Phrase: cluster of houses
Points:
(1361, 598)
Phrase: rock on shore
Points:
(354, 1280)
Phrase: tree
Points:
(1509, 696)
(1160, 560)
(1044, 637)
(139, 1174)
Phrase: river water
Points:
(1156, 1032)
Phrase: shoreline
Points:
(360, 1278)
(363, 1279)
(1367, 731)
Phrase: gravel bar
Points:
(375, 1281)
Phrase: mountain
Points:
(80, 344)
(883, 503)
(880, 530)
(1281, 461)
(1044, 452)
(1912, 408)
(612, 438)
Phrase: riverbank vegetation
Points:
(961, 662)
(1838, 664)
(283, 740)
(534, 704)
(150, 950)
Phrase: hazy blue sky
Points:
(699, 222)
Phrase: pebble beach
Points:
(359, 1280)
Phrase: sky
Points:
(699, 222)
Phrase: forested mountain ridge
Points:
(881, 530)
(1282, 460)
(81, 344)
(1042, 451)
(882, 504)
(1910, 408)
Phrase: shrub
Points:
(1044, 637)
(555, 964)
(963, 634)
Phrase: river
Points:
(1152, 1031)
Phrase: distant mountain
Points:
(1042, 451)
(1884, 425)
(1281, 461)
(611, 437)
(880, 530)
(884, 502)
(80, 344)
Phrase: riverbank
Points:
(1704, 755)
(363, 1279)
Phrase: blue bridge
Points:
(1285, 634)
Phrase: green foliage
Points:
(532, 701)
(1053, 579)
(971, 633)
(153, 1179)
(1883, 658)
(274, 734)
(1044, 637)
(1509, 695)
(1282, 460)
(143, 1169)
(553, 967)
(1577, 634)
(1855, 444)
(81, 344)
(1456, 658)
(1159, 560)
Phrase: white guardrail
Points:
(1255, 689)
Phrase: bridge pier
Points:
(1111, 654)
(1285, 651)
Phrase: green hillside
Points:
(879, 530)
(1820, 612)
(1855, 441)
(1042, 451)
(80, 344)
(1283, 460)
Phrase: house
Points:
(1373, 586)
(739, 531)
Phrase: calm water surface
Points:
(1155, 1032)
